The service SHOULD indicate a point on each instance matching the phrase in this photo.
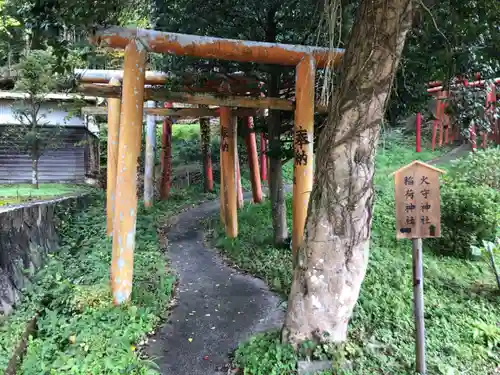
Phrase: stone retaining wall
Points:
(27, 233)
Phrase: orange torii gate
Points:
(137, 42)
(99, 77)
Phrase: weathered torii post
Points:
(114, 107)
(253, 159)
(235, 50)
(149, 162)
(303, 148)
(129, 148)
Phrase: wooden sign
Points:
(418, 212)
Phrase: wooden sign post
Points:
(418, 216)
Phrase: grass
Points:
(79, 331)
(463, 335)
(186, 131)
(18, 193)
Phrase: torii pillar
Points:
(228, 161)
(253, 159)
(166, 157)
(129, 149)
(263, 157)
(239, 187)
(303, 148)
(149, 164)
(114, 105)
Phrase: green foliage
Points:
(448, 38)
(469, 215)
(256, 253)
(263, 354)
(79, 330)
(461, 299)
(489, 251)
(46, 190)
(470, 198)
(481, 168)
(36, 73)
(466, 106)
(17, 193)
(35, 78)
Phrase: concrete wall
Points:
(27, 234)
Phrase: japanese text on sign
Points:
(417, 201)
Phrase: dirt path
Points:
(217, 306)
(454, 154)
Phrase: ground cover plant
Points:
(79, 331)
(18, 193)
(461, 301)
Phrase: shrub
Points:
(488, 252)
(469, 215)
(481, 168)
(263, 354)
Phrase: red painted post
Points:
(435, 123)
(253, 160)
(491, 97)
(418, 131)
(441, 117)
(263, 157)
(166, 158)
(484, 139)
(472, 136)
(238, 182)
(446, 122)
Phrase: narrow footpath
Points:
(217, 307)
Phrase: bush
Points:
(481, 168)
(469, 215)
(264, 354)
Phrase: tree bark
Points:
(333, 258)
(166, 158)
(276, 188)
(206, 154)
(34, 173)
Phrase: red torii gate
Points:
(137, 43)
(442, 122)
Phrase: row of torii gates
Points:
(125, 119)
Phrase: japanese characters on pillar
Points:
(300, 142)
(417, 199)
(224, 135)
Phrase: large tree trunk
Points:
(333, 259)
(276, 188)
(34, 173)
(208, 180)
(275, 183)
